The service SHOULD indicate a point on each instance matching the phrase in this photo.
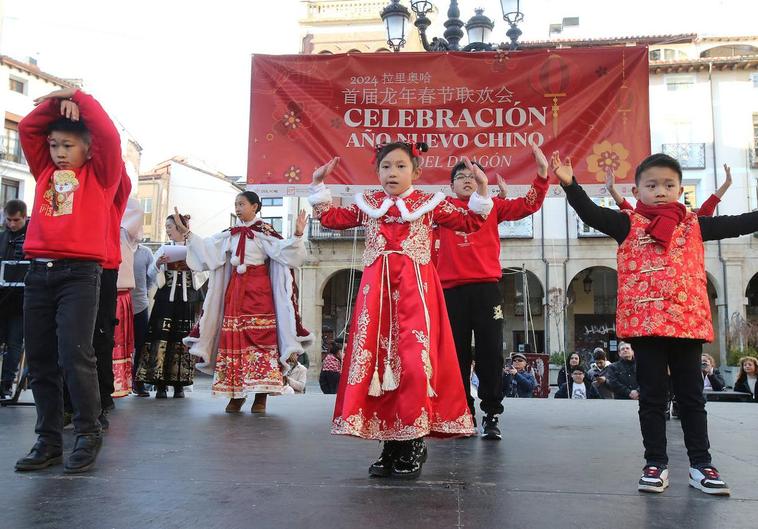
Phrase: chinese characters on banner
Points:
(589, 103)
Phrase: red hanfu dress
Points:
(400, 377)
(250, 323)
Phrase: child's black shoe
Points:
(382, 467)
(410, 459)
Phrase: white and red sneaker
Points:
(655, 478)
(707, 479)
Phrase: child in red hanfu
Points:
(400, 379)
(663, 309)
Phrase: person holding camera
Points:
(12, 298)
(598, 374)
(712, 379)
(517, 381)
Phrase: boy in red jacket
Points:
(663, 308)
(469, 268)
(77, 166)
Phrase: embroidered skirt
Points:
(400, 338)
(165, 361)
(248, 354)
(123, 345)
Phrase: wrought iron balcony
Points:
(10, 150)
(317, 232)
(689, 155)
(517, 229)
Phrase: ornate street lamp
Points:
(479, 27)
(512, 15)
(396, 17)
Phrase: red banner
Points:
(589, 103)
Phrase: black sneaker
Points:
(382, 467)
(82, 458)
(40, 456)
(490, 429)
(707, 479)
(410, 459)
(655, 478)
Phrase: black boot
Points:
(140, 390)
(41, 456)
(6, 389)
(411, 457)
(382, 467)
(160, 392)
(178, 392)
(82, 458)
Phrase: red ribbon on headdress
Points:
(246, 232)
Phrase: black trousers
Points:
(655, 357)
(60, 304)
(103, 339)
(478, 308)
(329, 382)
(141, 320)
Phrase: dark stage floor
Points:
(186, 464)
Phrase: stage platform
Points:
(186, 464)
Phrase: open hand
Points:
(69, 110)
(610, 179)
(478, 174)
(302, 220)
(320, 174)
(562, 169)
(541, 160)
(502, 186)
(64, 93)
(181, 227)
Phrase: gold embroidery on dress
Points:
(375, 241)
(321, 208)
(360, 359)
(375, 428)
(417, 245)
(531, 197)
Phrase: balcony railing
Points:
(517, 229)
(689, 155)
(318, 232)
(10, 150)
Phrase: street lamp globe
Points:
(396, 17)
(479, 29)
(421, 7)
(512, 11)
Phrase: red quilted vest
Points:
(662, 292)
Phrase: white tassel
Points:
(375, 389)
(241, 269)
(389, 383)
(429, 391)
(235, 260)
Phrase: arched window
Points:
(730, 50)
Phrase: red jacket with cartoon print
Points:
(72, 208)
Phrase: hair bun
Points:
(421, 146)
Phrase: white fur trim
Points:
(360, 201)
(235, 261)
(422, 210)
(479, 204)
(241, 269)
(319, 194)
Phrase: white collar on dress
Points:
(399, 200)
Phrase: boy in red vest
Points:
(469, 268)
(663, 307)
(77, 166)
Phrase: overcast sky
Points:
(177, 73)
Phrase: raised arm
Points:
(330, 216)
(613, 223)
(610, 184)
(105, 150)
(32, 131)
(727, 226)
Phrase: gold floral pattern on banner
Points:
(606, 158)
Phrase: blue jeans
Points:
(12, 334)
(60, 305)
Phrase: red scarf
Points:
(663, 219)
